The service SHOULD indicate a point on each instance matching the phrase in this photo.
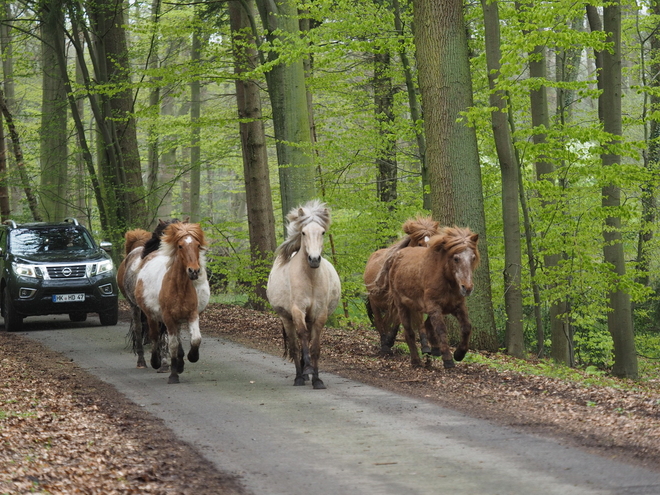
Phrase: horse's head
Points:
(462, 256)
(186, 241)
(312, 241)
(420, 230)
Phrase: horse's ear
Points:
(301, 212)
(161, 221)
(187, 220)
(474, 238)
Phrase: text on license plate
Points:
(58, 298)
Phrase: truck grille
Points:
(67, 271)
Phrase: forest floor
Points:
(64, 431)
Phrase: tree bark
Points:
(53, 153)
(513, 300)
(195, 113)
(261, 221)
(288, 99)
(619, 319)
(386, 152)
(452, 154)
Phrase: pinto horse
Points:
(386, 320)
(304, 288)
(172, 288)
(435, 280)
(138, 244)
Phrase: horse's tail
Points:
(285, 341)
(370, 311)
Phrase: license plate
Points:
(60, 298)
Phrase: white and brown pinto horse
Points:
(304, 288)
(172, 288)
(434, 280)
(384, 317)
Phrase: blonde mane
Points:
(310, 212)
(177, 231)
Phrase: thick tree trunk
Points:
(452, 154)
(261, 221)
(513, 300)
(53, 153)
(619, 319)
(288, 99)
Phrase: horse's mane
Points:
(419, 228)
(154, 242)
(176, 231)
(455, 240)
(312, 211)
(417, 231)
(135, 238)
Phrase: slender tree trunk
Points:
(513, 300)
(386, 153)
(288, 98)
(452, 154)
(20, 164)
(619, 319)
(561, 342)
(413, 103)
(53, 135)
(195, 113)
(261, 221)
(5, 210)
(153, 144)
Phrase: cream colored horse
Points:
(304, 288)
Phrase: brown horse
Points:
(172, 288)
(435, 280)
(418, 232)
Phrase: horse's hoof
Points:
(306, 377)
(173, 379)
(164, 368)
(426, 350)
(193, 354)
(448, 363)
(155, 361)
(435, 351)
(299, 382)
(459, 354)
(386, 351)
(318, 384)
(307, 370)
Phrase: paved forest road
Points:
(238, 407)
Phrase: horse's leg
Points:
(163, 349)
(175, 364)
(195, 339)
(417, 321)
(137, 334)
(315, 350)
(466, 329)
(383, 327)
(291, 344)
(154, 335)
(433, 337)
(438, 323)
(300, 323)
(406, 321)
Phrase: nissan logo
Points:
(66, 271)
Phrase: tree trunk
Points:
(261, 221)
(619, 319)
(513, 300)
(288, 99)
(386, 152)
(452, 154)
(195, 113)
(53, 134)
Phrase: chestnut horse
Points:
(434, 280)
(304, 288)
(172, 288)
(418, 232)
